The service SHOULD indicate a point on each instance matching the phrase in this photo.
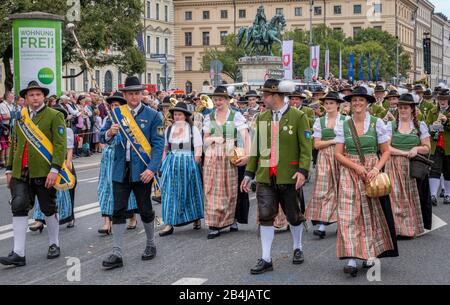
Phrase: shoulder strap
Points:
(355, 137)
(169, 129)
(192, 137)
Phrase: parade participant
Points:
(389, 114)
(252, 98)
(409, 137)
(438, 122)
(32, 173)
(220, 175)
(296, 100)
(64, 201)
(317, 94)
(345, 108)
(346, 90)
(6, 112)
(105, 184)
(321, 209)
(181, 183)
(279, 179)
(242, 104)
(167, 118)
(363, 230)
(425, 104)
(379, 105)
(135, 164)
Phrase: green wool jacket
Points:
(310, 114)
(431, 118)
(425, 107)
(51, 122)
(295, 141)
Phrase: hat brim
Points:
(323, 99)
(113, 99)
(251, 95)
(370, 99)
(132, 88)
(403, 102)
(296, 95)
(388, 96)
(44, 90)
(226, 95)
(275, 91)
(186, 112)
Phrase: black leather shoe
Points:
(298, 257)
(112, 261)
(149, 253)
(13, 259)
(165, 233)
(434, 200)
(447, 199)
(261, 267)
(366, 265)
(319, 233)
(353, 271)
(53, 252)
(234, 228)
(442, 194)
(213, 234)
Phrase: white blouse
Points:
(239, 122)
(383, 135)
(318, 128)
(186, 137)
(424, 133)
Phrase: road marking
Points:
(190, 281)
(436, 224)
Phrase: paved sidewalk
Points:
(80, 164)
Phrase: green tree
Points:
(228, 54)
(104, 24)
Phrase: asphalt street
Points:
(187, 257)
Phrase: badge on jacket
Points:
(308, 134)
(160, 130)
(61, 130)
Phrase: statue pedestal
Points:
(260, 68)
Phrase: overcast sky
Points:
(442, 6)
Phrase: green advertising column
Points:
(37, 50)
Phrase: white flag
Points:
(327, 64)
(288, 50)
(315, 60)
(340, 63)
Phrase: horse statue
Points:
(262, 34)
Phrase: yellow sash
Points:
(41, 143)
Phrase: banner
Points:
(376, 69)
(351, 67)
(340, 63)
(327, 64)
(315, 60)
(368, 69)
(37, 54)
(361, 68)
(288, 54)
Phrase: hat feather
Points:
(286, 86)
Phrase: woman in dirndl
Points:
(322, 208)
(409, 137)
(220, 175)
(181, 182)
(365, 225)
(105, 189)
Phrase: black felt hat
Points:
(297, 93)
(34, 85)
(182, 107)
(332, 95)
(221, 91)
(132, 83)
(360, 91)
(392, 93)
(407, 98)
(379, 88)
(251, 93)
(116, 97)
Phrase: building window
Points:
(357, 9)
(149, 44)
(317, 10)
(97, 77)
(356, 30)
(166, 45)
(149, 78)
(188, 63)
(377, 7)
(224, 14)
(206, 38)
(157, 45)
(298, 11)
(188, 39)
(158, 81)
(223, 34)
(72, 80)
(242, 13)
(166, 13)
(85, 81)
(188, 15)
(119, 78)
(205, 14)
(337, 10)
(378, 27)
(188, 87)
(108, 86)
(149, 6)
(337, 29)
(157, 11)
(279, 11)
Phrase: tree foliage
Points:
(105, 25)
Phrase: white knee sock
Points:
(53, 229)
(442, 184)
(434, 186)
(352, 263)
(322, 228)
(267, 234)
(20, 225)
(447, 187)
(296, 232)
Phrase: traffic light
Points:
(427, 55)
